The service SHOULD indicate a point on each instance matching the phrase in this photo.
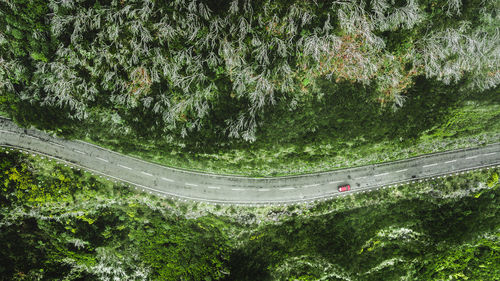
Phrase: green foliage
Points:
(25, 31)
(53, 229)
(19, 184)
(313, 86)
(170, 69)
(435, 230)
(253, 87)
(38, 56)
(322, 133)
(185, 250)
(493, 180)
(432, 231)
(469, 262)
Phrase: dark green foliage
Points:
(469, 262)
(301, 82)
(25, 30)
(349, 115)
(252, 87)
(24, 42)
(423, 239)
(56, 224)
(169, 69)
(185, 249)
(52, 229)
(258, 88)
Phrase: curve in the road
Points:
(229, 189)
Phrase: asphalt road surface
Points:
(229, 189)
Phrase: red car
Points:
(343, 188)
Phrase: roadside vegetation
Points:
(260, 88)
(255, 87)
(327, 134)
(58, 223)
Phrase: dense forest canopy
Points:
(58, 223)
(187, 65)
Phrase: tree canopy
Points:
(186, 65)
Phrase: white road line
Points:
(102, 159)
(165, 179)
(125, 167)
(492, 153)
(190, 184)
(177, 196)
(32, 137)
(236, 189)
(360, 178)
(3, 131)
(81, 152)
(379, 175)
(451, 161)
(264, 189)
(471, 157)
(287, 188)
(311, 185)
(56, 144)
(430, 165)
(332, 182)
(147, 174)
(213, 187)
(404, 170)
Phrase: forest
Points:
(58, 223)
(259, 88)
(211, 83)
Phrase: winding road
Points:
(228, 189)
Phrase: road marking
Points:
(6, 132)
(383, 174)
(102, 159)
(81, 152)
(311, 185)
(297, 200)
(237, 189)
(470, 157)
(332, 182)
(360, 178)
(190, 184)
(56, 144)
(213, 187)
(165, 179)
(286, 188)
(451, 161)
(404, 170)
(147, 174)
(125, 167)
(264, 189)
(31, 137)
(430, 165)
